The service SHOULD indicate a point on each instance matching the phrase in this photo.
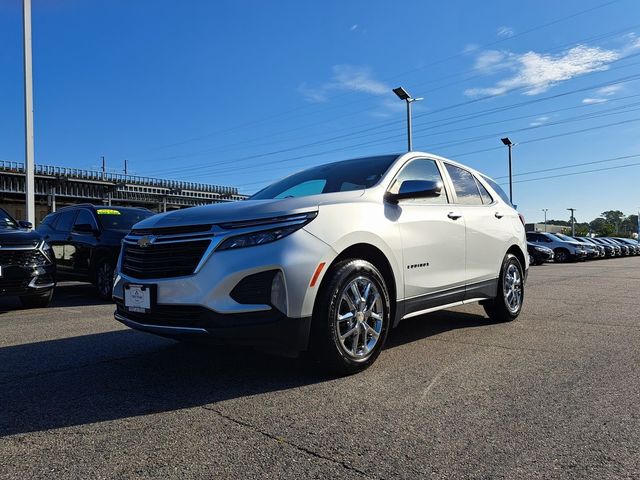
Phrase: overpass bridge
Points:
(60, 186)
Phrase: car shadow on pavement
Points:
(124, 373)
(66, 294)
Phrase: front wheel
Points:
(351, 318)
(104, 278)
(507, 304)
(561, 255)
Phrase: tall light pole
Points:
(404, 95)
(573, 221)
(545, 210)
(29, 182)
(509, 145)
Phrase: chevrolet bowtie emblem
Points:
(147, 240)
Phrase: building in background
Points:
(539, 227)
(56, 187)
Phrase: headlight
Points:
(541, 249)
(46, 250)
(260, 237)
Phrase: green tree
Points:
(601, 226)
(614, 218)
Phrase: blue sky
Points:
(244, 92)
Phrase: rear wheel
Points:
(104, 277)
(507, 305)
(36, 301)
(351, 318)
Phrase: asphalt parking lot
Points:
(553, 395)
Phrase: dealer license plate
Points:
(137, 298)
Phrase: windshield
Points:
(121, 218)
(566, 238)
(6, 222)
(334, 177)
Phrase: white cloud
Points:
(539, 121)
(592, 100)
(354, 27)
(489, 61)
(505, 32)
(346, 77)
(535, 73)
(609, 90)
(470, 48)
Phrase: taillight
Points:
(521, 218)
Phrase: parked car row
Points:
(81, 242)
(544, 247)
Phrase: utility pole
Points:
(573, 221)
(509, 145)
(125, 166)
(404, 95)
(104, 167)
(545, 210)
(29, 162)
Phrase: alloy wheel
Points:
(512, 288)
(359, 318)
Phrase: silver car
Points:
(328, 260)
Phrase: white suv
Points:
(327, 260)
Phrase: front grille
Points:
(170, 316)
(254, 289)
(162, 260)
(22, 258)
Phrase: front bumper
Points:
(24, 281)
(204, 304)
(270, 330)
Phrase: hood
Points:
(246, 210)
(17, 236)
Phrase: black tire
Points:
(36, 301)
(500, 309)
(331, 347)
(561, 255)
(103, 277)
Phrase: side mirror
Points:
(415, 189)
(25, 224)
(83, 228)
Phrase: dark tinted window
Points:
(6, 221)
(465, 185)
(484, 193)
(497, 189)
(421, 169)
(333, 177)
(121, 218)
(49, 219)
(65, 220)
(85, 217)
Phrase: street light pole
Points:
(545, 210)
(573, 221)
(29, 163)
(404, 95)
(509, 145)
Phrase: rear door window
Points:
(465, 185)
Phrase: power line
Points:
(476, 115)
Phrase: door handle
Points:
(499, 215)
(454, 215)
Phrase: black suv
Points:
(86, 241)
(26, 263)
